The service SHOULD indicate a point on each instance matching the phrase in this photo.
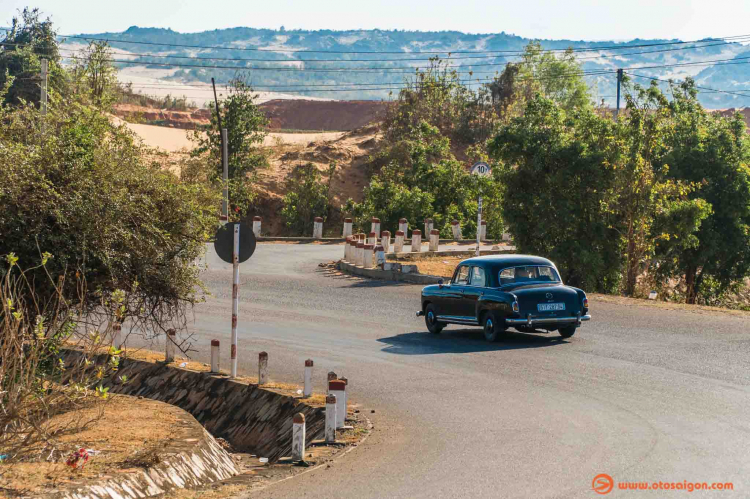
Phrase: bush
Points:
(307, 197)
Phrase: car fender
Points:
(496, 301)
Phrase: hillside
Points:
(280, 63)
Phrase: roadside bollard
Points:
(308, 378)
(375, 228)
(398, 244)
(117, 335)
(346, 248)
(385, 240)
(416, 241)
(318, 228)
(483, 232)
(372, 238)
(359, 259)
(346, 393)
(331, 419)
(403, 226)
(256, 226)
(338, 388)
(368, 256)
(171, 340)
(262, 368)
(456, 227)
(506, 236)
(331, 377)
(427, 226)
(214, 356)
(347, 227)
(298, 437)
(379, 256)
(434, 239)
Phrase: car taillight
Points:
(585, 303)
(515, 306)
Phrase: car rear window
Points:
(530, 273)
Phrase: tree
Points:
(96, 74)
(307, 197)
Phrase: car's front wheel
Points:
(494, 328)
(567, 331)
(430, 319)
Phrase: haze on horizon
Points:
(545, 19)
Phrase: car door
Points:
(454, 293)
(472, 291)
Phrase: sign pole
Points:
(225, 165)
(235, 295)
(480, 169)
(479, 224)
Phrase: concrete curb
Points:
(388, 275)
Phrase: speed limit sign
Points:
(481, 168)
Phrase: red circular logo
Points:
(602, 484)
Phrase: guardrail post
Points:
(347, 227)
(434, 240)
(403, 226)
(262, 368)
(483, 233)
(416, 241)
(298, 437)
(346, 393)
(372, 238)
(379, 256)
(215, 356)
(171, 341)
(331, 419)
(428, 226)
(308, 378)
(338, 388)
(359, 260)
(256, 226)
(367, 255)
(375, 228)
(398, 245)
(456, 227)
(385, 240)
(318, 228)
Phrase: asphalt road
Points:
(640, 393)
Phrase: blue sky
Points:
(571, 19)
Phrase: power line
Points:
(696, 86)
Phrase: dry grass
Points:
(442, 266)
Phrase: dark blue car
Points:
(502, 291)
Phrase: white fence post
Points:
(403, 226)
(256, 225)
(171, 341)
(385, 240)
(262, 368)
(434, 240)
(215, 356)
(380, 256)
(298, 437)
(483, 233)
(318, 228)
(346, 394)
(347, 227)
(427, 226)
(416, 241)
(346, 248)
(506, 236)
(372, 238)
(398, 244)
(359, 259)
(456, 227)
(331, 419)
(375, 228)
(338, 388)
(308, 378)
(368, 254)
(117, 335)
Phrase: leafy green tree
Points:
(95, 75)
(307, 197)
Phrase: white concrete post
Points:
(368, 254)
(330, 419)
(375, 227)
(483, 233)
(332, 376)
(171, 340)
(346, 393)
(398, 245)
(379, 256)
(338, 388)
(235, 298)
(385, 241)
(372, 238)
(318, 228)
(347, 227)
(506, 236)
(456, 227)
(262, 368)
(346, 249)
(427, 226)
(298, 437)
(256, 225)
(434, 240)
(308, 378)
(214, 356)
(359, 260)
(416, 241)
(403, 226)
(117, 335)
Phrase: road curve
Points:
(640, 393)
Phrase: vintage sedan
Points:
(502, 291)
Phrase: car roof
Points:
(507, 260)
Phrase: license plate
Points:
(549, 307)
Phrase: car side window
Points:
(462, 275)
(477, 277)
(507, 276)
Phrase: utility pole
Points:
(43, 100)
(619, 83)
(224, 160)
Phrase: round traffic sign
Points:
(224, 241)
(481, 168)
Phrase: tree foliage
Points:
(307, 197)
(94, 74)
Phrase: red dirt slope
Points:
(322, 115)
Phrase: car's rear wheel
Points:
(567, 331)
(494, 328)
(430, 319)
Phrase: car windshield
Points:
(529, 273)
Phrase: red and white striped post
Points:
(379, 256)
(385, 240)
(214, 356)
(398, 244)
(256, 225)
(456, 226)
(262, 368)
(318, 228)
(367, 255)
(375, 228)
(428, 226)
(117, 335)
(338, 388)
(298, 437)
(171, 341)
(416, 241)
(403, 226)
(347, 227)
(346, 393)
(308, 378)
(434, 240)
(330, 418)
(372, 238)
(359, 259)
(332, 376)
(235, 296)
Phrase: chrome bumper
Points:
(533, 321)
(420, 313)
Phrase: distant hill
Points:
(279, 55)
